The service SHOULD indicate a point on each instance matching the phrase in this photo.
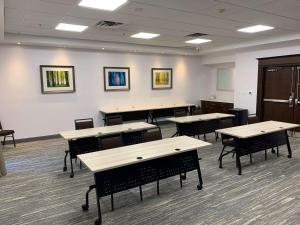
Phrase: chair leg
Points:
(204, 136)
(157, 187)
(266, 154)
(277, 152)
(220, 157)
(72, 171)
(4, 140)
(80, 164)
(251, 161)
(65, 160)
(13, 137)
(180, 179)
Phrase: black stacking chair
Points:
(109, 142)
(106, 142)
(196, 111)
(113, 120)
(84, 123)
(7, 133)
(227, 141)
(82, 145)
(179, 113)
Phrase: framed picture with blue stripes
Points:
(116, 78)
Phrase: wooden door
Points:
(297, 97)
(278, 93)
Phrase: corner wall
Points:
(31, 114)
(246, 71)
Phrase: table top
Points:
(202, 117)
(143, 108)
(127, 155)
(107, 130)
(257, 129)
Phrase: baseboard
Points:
(40, 138)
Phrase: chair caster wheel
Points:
(220, 166)
(65, 169)
(72, 175)
(199, 187)
(85, 207)
(289, 156)
(97, 222)
(273, 151)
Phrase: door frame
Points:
(263, 63)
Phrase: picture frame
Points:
(162, 78)
(116, 78)
(57, 79)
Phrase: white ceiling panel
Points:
(173, 19)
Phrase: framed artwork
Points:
(161, 78)
(116, 78)
(57, 79)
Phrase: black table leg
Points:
(288, 145)
(85, 206)
(200, 185)
(238, 161)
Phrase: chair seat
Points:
(6, 132)
(228, 142)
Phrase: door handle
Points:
(291, 101)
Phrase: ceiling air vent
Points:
(195, 35)
(108, 24)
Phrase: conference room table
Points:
(257, 137)
(199, 124)
(127, 167)
(149, 111)
(73, 136)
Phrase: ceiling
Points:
(172, 19)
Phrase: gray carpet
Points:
(37, 191)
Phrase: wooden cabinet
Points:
(215, 106)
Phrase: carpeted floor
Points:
(37, 191)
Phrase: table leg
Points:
(85, 206)
(200, 185)
(98, 221)
(288, 145)
(238, 161)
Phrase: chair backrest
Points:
(180, 112)
(113, 120)
(111, 142)
(84, 123)
(196, 111)
(226, 123)
(152, 135)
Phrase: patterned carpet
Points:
(37, 191)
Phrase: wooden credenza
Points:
(211, 106)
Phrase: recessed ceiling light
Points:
(198, 41)
(109, 5)
(103, 48)
(256, 28)
(70, 27)
(145, 35)
(18, 43)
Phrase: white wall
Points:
(246, 71)
(226, 96)
(31, 114)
